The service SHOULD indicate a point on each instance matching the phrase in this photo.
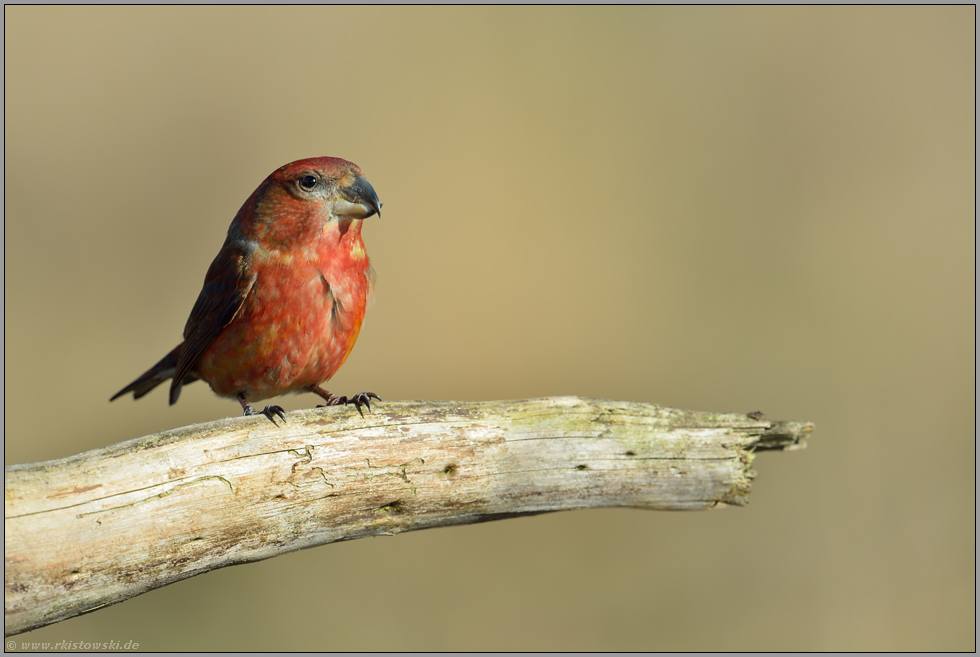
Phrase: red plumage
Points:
(284, 299)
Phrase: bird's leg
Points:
(268, 411)
(360, 399)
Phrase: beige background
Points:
(717, 209)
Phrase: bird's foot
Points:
(269, 411)
(358, 400)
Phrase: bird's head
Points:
(297, 201)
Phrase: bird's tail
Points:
(156, 375)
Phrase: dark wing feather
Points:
(226, 286)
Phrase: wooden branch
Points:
(98, 528)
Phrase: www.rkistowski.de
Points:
(72, 645)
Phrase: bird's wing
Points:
(226, 286)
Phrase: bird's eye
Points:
(308, 182)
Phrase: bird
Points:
(283, 301)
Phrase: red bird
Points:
(284, 299)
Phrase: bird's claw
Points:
(362, 398)
(358, 400)
(269, 411)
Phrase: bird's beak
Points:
(358, 200)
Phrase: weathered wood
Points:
(95, 529)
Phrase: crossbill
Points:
(284, 299)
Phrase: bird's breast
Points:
(297, 326)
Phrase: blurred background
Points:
(721, 209)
